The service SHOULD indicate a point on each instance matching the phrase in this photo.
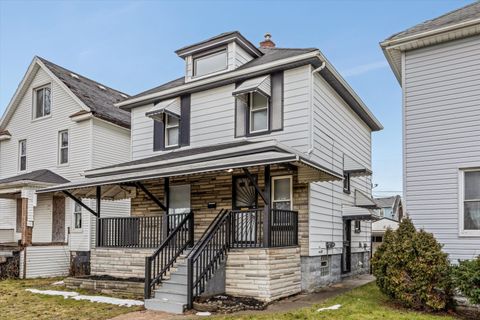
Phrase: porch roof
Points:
(357, 213)
(35, 179)
(220, 157)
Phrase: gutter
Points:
(312, 80)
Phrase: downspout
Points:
(322, 66)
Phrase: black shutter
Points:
(158, 135)
(276, 102)
(184, 139)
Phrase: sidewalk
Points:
(292, 303)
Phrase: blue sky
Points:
(129, 45)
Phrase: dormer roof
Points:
(223, 38)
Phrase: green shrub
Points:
(411, 268)
(466, 278)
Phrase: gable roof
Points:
(92, 96)
(100, 99)
(386, 202)
(469, 12)
(454, 25)
(43, 176)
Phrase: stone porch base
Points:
(119, 262)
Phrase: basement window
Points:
(324, 266)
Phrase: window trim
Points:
(20, 155)
(290, 177)
(212, 52)
(74, 213)
(249, 130)
(34, 102)
(60, 147)
(165, 133)
(347, 177)
(461, 209)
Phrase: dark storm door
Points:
(347, 246)
(58, 219)
(244, 199)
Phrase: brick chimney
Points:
(267, 43)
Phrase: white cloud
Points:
(364, 68)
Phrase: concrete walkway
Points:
(298, 301)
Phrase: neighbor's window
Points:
(210, 63)
(346, 183)
(358, 226)
(63, 147)
(42, 101)
(22, 155)
(258, 106)
(471, 201)
(172, 127)
(282, 193)
(77, 216)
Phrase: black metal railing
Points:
(160, 262)
(130, 232)
(247, 228)
(283, 228)
(206, 257)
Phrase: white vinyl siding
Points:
(337, 130)
(45, 261)
(213, 116)
(442, 130)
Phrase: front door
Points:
(347, 246)
(58, 219)
(244, 201)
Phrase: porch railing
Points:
(136, 232)
(283, 228)
(160, 262)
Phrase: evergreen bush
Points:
(466, 278)
(411, 268)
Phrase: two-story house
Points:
(250, 175)
(57, 125)
(437, 64)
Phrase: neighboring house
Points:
(262, 159)
(437, 63)
(390, 207)
(57, 125)
(390, 213)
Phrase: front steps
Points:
(171, 295)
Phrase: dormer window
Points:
(210, 62)
(42, 102)
(258, 105)
(172, 126)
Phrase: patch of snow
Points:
(334, 307)
(58, 283)
(203, 314)
(99, 299)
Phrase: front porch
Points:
(248, 201)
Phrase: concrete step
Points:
(169, 286)
(165, 306)
(165, 295)
(5, 253)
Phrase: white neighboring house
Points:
(267, 151)
(390, 213)
(57, 125)
(437, 63)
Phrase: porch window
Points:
(179, 199)
(77, 216)
(258, 108)
(282, 193)
(63, 147)
(22, 155)
(42, 101)
(172, 126)
(470, 202)
(210, 63)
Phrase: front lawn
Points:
(366, 302)
(16, 303)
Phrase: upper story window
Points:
(258, 112)
(22, 155)
(42, 102)
(172, 131)
(210, 63)
(346, 183)
(63, 143)
(470, 202)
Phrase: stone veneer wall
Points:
(264, 274)
(217, 187)
(119, 263)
